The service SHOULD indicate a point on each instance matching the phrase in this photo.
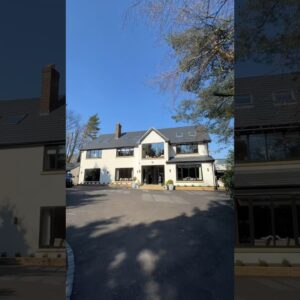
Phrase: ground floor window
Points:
(268, 223)
(92, 175)
(124, 174)
(189, 172)
(52, 227)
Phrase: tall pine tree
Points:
(92, 128)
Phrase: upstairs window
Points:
(283, 97)
(186, 148)
(94, 154)
(125, 152)
(155, 150)
(270, 146)
(54, 157)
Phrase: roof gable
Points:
(154, 130)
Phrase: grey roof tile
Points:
(34, 128)
(185, 134)
(187, 159)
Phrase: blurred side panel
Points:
(32, 149)
(267, 132)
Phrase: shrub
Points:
(286, 263)
(170, 181)
(239, 263)
(262, 263)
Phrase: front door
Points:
(153, 174)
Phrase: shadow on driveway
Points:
(185, 257)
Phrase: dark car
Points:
(69, 180)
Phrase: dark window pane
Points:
(54, 158)
(298, 221)
(124, 174)
(52, 227)
(262, 226)
(243, 220)
(241, 153)
(257, 147)
(284, 232)
(189, 173)
(92, 175)
(275, 146)
(292, 141)
(125, 152)
(155, 150)
(187, 148)
(94, 154)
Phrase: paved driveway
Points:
(151, 245)
(275, 288)
(19, 283)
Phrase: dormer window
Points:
(186, 148)
(283, 97)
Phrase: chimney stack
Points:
(50, 89)
(118, 130)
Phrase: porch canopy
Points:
(192, 159)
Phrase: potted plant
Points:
(170, 184)
(136, 183)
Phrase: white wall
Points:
(108, 163)
(24, 189)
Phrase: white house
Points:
(32, 160)
(151, 157)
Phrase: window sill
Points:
(54, 172)
(93, 157)
(50, 249)
(264, 249)
(183, 154)
(151, 158)
(188, 181)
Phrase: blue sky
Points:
(110, 63)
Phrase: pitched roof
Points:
(185, 134)
(263, 111)
(22, 124)
(71, 166)
(189, 159)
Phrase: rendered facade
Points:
(149, 157)
(267, 168)
(32, 159)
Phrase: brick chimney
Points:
(50, 89)
(118, 132)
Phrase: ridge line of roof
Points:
(145, 130)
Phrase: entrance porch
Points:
(153, 174)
